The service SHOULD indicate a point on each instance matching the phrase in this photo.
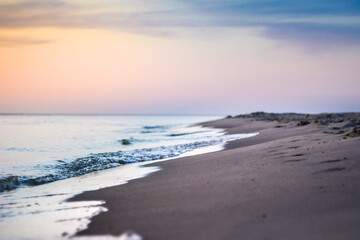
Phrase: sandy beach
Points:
(298, 179)
(179, 120)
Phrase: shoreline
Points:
(288, 182)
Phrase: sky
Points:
(179, 56)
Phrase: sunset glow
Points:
(133, 57)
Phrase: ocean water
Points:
(46, 159)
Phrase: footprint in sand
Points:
(298, 155)
(293, 147)
(295, 160)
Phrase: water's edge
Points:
(150, 170)
(27, 207)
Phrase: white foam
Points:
(42, 212)
(128, 235)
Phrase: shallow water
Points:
(42, 212)
(36, 149)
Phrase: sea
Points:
(47, 159)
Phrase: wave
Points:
(154, 127)
(20, 149)
(132, 140)
(101, 161)
(183, 134)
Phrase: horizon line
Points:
(164, 114)
(114, 114)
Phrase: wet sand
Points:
(297, 179)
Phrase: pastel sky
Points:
(179, 56)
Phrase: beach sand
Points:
(298, 179)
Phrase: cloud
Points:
(277, 7)
(34, 13)
(18, 41)
(314, 34)
(303, 21)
